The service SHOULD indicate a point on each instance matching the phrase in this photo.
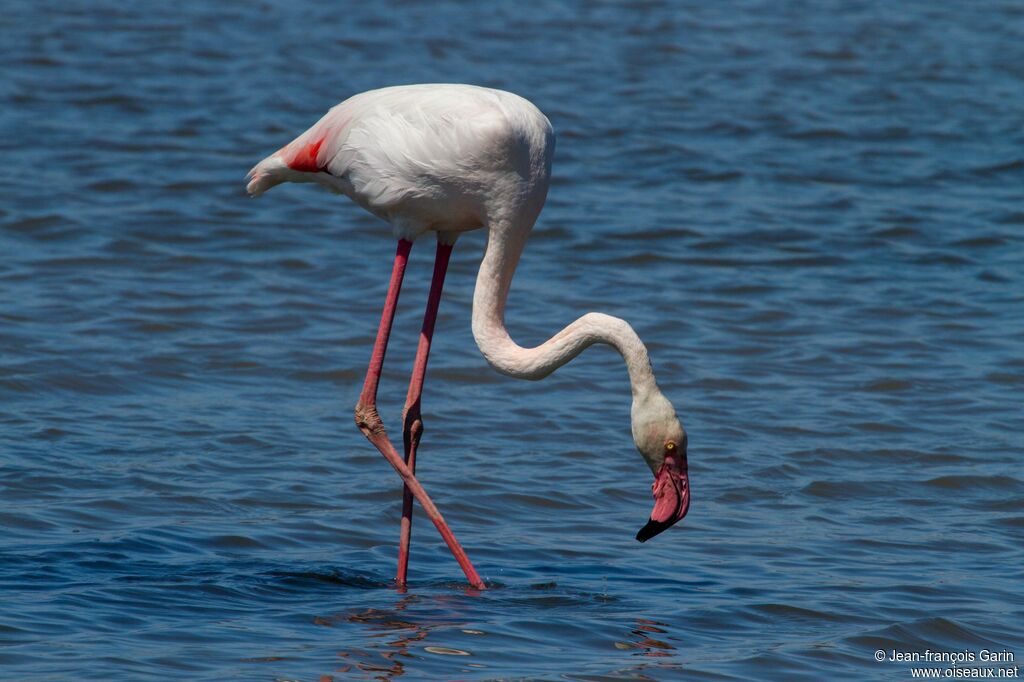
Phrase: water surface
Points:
(810, 211)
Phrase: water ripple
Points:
(809, 213)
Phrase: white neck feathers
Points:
(501, 256)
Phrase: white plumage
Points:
(422, 157)
(452, 158)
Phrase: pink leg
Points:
(370, 423)
(411, 418)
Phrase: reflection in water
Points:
(445, 651)
(391, 635)
(382, 661)
(650, 645)
(648, 639)
(645, 633)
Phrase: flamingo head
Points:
(661, 439)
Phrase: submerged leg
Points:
(370, 423)
(412, 421)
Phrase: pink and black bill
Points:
(671, 490)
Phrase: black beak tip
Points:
(651, 529)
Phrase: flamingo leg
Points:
(370, 423)
(412, 419)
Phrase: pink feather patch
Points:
(305, 158)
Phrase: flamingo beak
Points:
(671, 490)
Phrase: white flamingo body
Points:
(424, 157)
(452, 158)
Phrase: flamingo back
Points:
(423, 157)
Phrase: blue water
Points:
(811, 212)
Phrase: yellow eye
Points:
(670, 445)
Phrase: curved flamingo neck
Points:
(504, 246)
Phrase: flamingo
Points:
(447, 159)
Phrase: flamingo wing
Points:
(395, 147)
